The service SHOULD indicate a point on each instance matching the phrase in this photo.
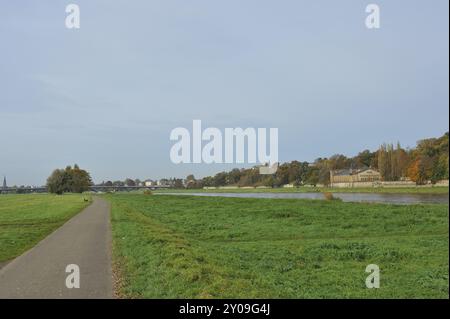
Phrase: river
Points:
(385, 198)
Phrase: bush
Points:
(329, 196)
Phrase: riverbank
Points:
(382, 190)
(380, 198)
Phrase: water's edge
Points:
(387, 198)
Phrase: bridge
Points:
(93, 188)
(22, 190)
(102, 188)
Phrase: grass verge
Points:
(27, 219)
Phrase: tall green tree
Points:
(69, 180)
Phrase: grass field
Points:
(213, 247)
(26, 219)
(391, 190)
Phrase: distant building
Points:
(4, 183)
(354, 176)
(149, 182)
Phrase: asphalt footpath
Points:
(72, 262)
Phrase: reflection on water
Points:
(346, 197)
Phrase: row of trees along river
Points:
(428, 161)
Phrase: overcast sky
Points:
(106, 96)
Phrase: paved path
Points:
(85, 240)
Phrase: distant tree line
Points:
(427, 162)
(126, 182)
(172, 182)
(69, 180)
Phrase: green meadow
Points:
(215, 247)
(27, 219)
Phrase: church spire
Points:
(4, 182)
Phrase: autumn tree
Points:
(364, 159)
(420, 170)
(392, 162)
(430, 160)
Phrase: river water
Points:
(386, 198)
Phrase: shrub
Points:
(329, 196)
